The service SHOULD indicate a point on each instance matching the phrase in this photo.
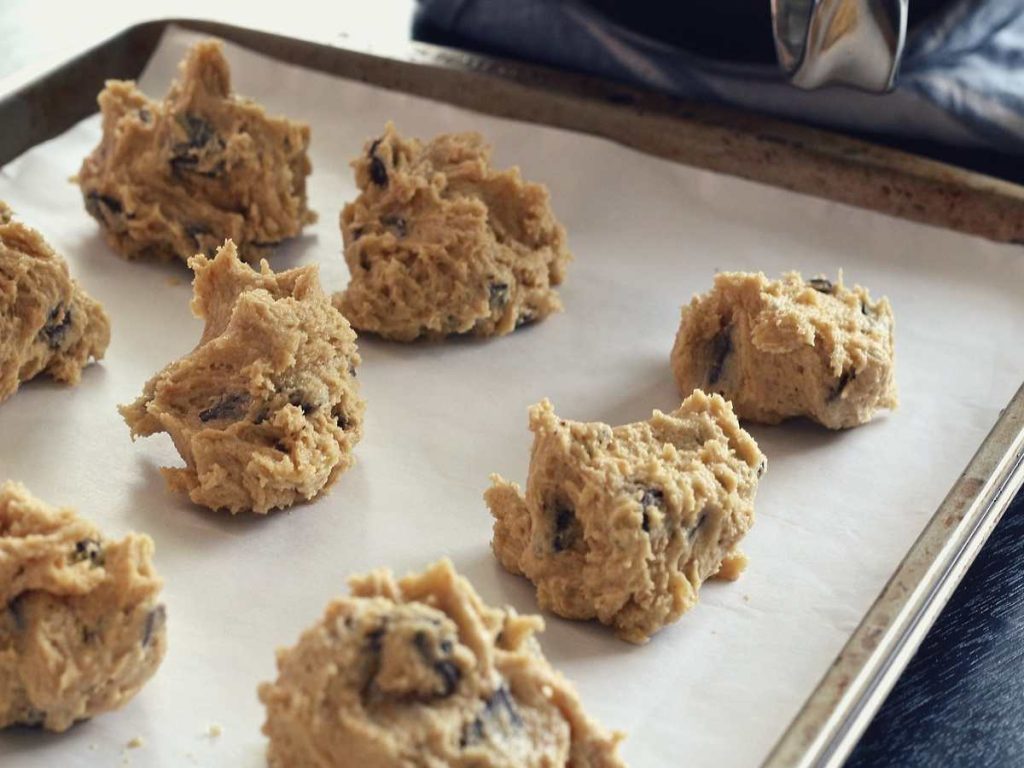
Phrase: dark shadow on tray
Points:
(27, 739)
(797, 437)
(287, 255)
(92, 375)
(655, 389)
(170, 516)
(96, 249)
(373, 346)
(562, 638)
(294, 252)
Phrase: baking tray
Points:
(40, 106)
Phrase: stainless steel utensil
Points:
(850, 42)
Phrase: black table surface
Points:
(959, 702)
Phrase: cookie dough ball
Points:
(174, 178)
(624, 524)
(266, 410)
(784, 348)
(420, 673)
(439, 243)
(81, 630)
(48, 324)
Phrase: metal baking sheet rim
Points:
(858, 680)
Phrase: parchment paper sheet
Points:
(836, 511)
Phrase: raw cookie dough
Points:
(783, 348)
(174, 178)
(266, 410)
(81, 630)
(420, 673)
(439, 243)
(624, 524)
(48, 324)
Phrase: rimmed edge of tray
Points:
(722, 139)
(835, 715)
(719, 139)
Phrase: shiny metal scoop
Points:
(852, 42)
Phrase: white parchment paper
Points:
(836, 511)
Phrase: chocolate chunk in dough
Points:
(173, 178)
(266, 410)
(48, 324)
(646, 512)
(78, 635)
(439, 243)
(420, 672)
(816, 349)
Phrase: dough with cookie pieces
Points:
(439, 243)
(419, 672)
(623, 524)
(266, 410)
(173, 178)
(81, 625)
(784, 348)
(48, 324)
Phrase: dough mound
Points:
(624, 524)
(81, 630)
(173, 178)
(784, 348)
(439, 243)
(48, 324)
(420, 673)
(266, 410)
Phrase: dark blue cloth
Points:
(970, 62)
(961, 82)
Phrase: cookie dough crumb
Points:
(174, 178)
(82, 630)
(266, 410)
(214, 731)
(784, 348)
(624, 524)
(439, 243)
(48, 324)
(420, 671)
(136, 743)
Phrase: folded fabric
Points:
(960, 81)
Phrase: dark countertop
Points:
(959, 702)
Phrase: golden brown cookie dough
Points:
(420, 673)
(48, 324)
(624, 524)
(174, 178)
(266, 410)
(784, 348)
(439, 243)
(81, 630)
